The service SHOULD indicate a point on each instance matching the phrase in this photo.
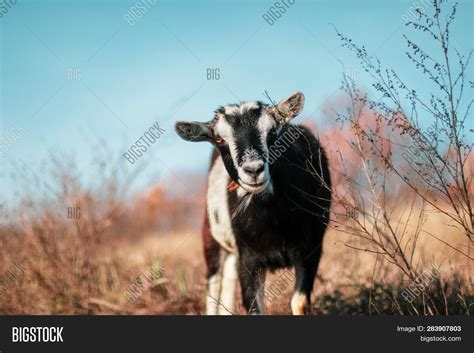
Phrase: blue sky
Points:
(155, 70)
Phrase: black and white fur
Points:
(277, 216)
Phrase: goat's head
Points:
(243, 134)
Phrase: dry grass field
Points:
(79, 268)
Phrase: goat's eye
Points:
(219, 140)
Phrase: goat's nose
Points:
(254, 168)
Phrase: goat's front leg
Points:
(228, 285)
(252, 283)
(306, 270)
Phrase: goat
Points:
(268, 201)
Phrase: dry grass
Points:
(85, 265)
(68, 276)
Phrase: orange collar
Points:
(232, 186)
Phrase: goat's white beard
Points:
(245, 197)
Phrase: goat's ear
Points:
(288, 108)
(194, 131)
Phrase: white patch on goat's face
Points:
(248, 106)
(240, 109)
(223, 128)
(265, 124)
(225, 131)
(231, 110)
